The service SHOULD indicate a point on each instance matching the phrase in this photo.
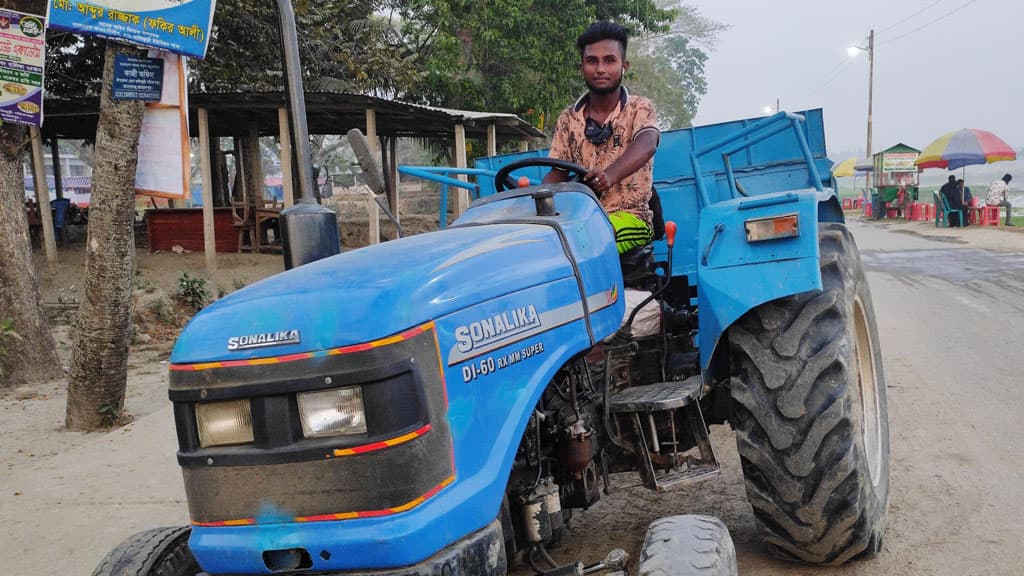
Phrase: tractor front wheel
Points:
(810, 415)
(155, 552)
(688, 546)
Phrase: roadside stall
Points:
(895, 185)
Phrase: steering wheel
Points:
(503, 181)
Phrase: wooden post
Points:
(393, 193)
(219, 166)
(205, 167)
(58, 182)
(286, 157)
(524, 145)
(253, 164)
(42, 195)
(492, 139)
(462, 196)
(373, 214)
(253, 181)
(372, 210)
(371, 130)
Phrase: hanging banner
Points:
(163, 168)
(22, 53)
(179, 26)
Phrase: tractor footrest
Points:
(668, 432)
(656, 397)
(692, 474)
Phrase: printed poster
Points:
(22, 53)
(179, 26)
(163, 168)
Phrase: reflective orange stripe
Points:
(305, 355)
(383, 443)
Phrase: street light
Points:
(770, 109)
(870, 49)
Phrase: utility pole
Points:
(870, 89)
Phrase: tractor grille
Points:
(403, 458)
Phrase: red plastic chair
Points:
(847, 203)
(989, 215)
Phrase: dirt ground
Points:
(32, 418)
(957, 464)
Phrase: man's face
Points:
(603, 66)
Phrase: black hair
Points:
(603, 31)
(952, 178)
(1007, 178)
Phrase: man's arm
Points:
(639, 152)
(555, 175)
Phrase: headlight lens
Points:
(224, 423)
(332, 412)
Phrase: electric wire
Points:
(929, 23)
(891, 26)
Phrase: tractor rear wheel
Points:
(688, 546)
(810, 414)
(155, 552)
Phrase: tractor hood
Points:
(373, 292)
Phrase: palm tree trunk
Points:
(99, 365)
(32, 356)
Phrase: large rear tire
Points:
(810, 413)
(688, 546)
(155, 552)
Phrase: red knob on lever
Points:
(670, 233)
(523, 181)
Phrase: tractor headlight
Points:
(332, 412)
(223, 423)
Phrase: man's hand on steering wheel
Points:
(598, 181)
(574, 172)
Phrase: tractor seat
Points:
(638, 263)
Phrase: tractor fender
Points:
(736, 275)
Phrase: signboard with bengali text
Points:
(137, 78)
(179, 26)
(899, 162)
(22, 54)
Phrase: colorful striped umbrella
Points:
(965, 147)
(852, 167)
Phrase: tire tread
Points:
(794, 379)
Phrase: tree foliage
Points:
(513, 56)
(343, 45)
(668, 65)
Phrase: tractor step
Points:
(656, 397)
(658, 414)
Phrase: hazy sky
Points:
(961, 71)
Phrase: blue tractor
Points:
(442, 403)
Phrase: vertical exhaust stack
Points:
(308, 230)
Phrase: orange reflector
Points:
(523, 181)
(774, 227)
